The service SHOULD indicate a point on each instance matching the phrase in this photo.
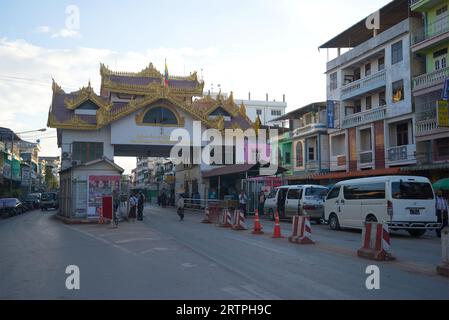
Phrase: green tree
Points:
(50, 180)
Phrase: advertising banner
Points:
(100, 186)
(443, 114)
(25, 176)
(330, 114)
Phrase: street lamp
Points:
(12, 151)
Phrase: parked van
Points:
(403, 202)
(307, 200)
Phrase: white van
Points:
(307, 200)
(403, 202)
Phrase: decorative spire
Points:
(257, 125)
(231, 98)
(242, 109)
(220, 123)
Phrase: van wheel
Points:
(416, 233)
(371, 218)
(334, 224)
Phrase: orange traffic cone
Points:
(257, 225)
(277, 227)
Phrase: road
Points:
(163, 258)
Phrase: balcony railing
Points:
(311, 128)
(366, 157)
(433, 29)
(426, 126)
(402, 153)
(364, 85)
(364, 117)
(430, 79)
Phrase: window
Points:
(333, 81)
(316, 192)
(411, 190)
(259, 112)
(442, 148)
(160, 115)
(367, 69)
(334, 193)
(440, 59)
(365, 191)
(87, 151)
(381, 64)
(398, 91)
(382, 101)
(357, 74)
(299, 156)
(396, 52)
(357, 106)
(276, 112)
(441, 10)
(402, 134)
(311, 154)
(293, 194)
(368, 103)
(287, 158)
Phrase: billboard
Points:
(330, 114)
(443, 114)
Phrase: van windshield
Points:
(412, 190)
(48, 196)
(314, 192)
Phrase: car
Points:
(402, 202)
(32, 200)
(49, 200)
(11, 207)
(306, 200)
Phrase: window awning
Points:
(348, 175)
(252, 169)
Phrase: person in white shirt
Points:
(442, 209)
(242, 202)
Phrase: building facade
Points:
(430, 45)
(370, 106)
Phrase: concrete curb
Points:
(75, 221)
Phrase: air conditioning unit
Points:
(76, 163)
(66, 156)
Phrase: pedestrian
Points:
(163, 199)
(140, 205)
(116, 204)
(261, 202)
(132, 208)
(442, 209)
(243, 200)
(181, 207)
(197, 200)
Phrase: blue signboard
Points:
(330, 114)
(445, 93)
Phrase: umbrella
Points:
(442, 184)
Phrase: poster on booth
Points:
(100, 186)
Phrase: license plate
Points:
(414, 211)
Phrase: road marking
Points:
(135, 240)
(189, 265)
(153, 249)
(262, 294)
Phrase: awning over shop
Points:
(229, 169)
(347, 175)
(252, 169)
(426, 167)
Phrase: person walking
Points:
(243, 200)
(261, 202)
(181, 207)
(140, 205)
(116, 205)
(442, 209)
(132, 208)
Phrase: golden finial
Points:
(220, 123)
(242, 109)
(231, 98)
(257, 125)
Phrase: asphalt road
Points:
(163, 258)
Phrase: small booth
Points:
(83, 188)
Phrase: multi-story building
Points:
(370, 107)
(430, 44)
(308, 150)
(266, 110)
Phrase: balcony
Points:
(422, 5)
(309, 129)
(338, 163)
(431, 32)
(430, 79)
(401, 154)
(312, 165)
(365, 158)
(368, 116)
(365, 85)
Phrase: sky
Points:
(257, 46)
